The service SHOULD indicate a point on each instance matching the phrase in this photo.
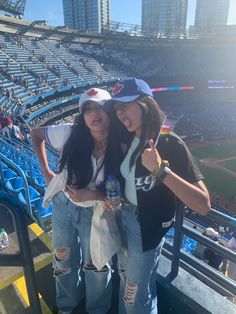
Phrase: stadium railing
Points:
(24, 256)
(192, 264)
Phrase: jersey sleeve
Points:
(57, 135)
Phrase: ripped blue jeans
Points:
(98, 283)
(71, 227)
(67, 257)
(137, 269)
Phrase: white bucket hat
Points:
(98, 95)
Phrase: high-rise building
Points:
(164, 16)
(86, 15)
(211, 13)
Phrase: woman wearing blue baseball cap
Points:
(159, 171)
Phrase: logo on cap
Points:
(117, 88)
(92, 92)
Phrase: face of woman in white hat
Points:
(91, 106)
(94, 116)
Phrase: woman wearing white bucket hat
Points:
(86, 159)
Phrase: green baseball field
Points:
(217, 162)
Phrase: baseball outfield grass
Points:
(216, 179)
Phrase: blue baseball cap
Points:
(130, 89)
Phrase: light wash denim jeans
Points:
(67, 257)
(137, 269)
(71, 242)
(98, 283)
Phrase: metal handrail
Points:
(18, 171)
(24, 257)
(177, 253)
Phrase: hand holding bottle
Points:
(113, 195)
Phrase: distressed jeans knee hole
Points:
(130, 292)
(62, 254)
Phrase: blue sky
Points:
(127, 11)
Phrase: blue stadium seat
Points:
(189, 245)
(43, 212)
(44, 216)
(9, 174)
(33, 195)
(39, 182)
(4, 166)
(15, 185)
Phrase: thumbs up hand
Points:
(150, 157)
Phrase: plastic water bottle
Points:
(4, 242)
(113, 191)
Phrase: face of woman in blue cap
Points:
(128, 110)
(130, 115)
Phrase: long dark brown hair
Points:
(77, 151)
(152, 119)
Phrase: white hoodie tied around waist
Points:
(105, 238)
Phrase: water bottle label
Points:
(111, 194)
(4, 242)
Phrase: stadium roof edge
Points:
(112, 39)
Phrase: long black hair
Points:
(77, 151)
(152, 119)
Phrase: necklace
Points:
(100, 145)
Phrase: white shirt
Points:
(57, 135)
(129, 174)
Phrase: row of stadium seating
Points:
(188, 244)
(29, 67)
(22, 178)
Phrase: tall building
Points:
(164, 16)
(211, 13)
(86, 15)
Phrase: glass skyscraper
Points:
(211, 13)
(164, 16)
(86, 15)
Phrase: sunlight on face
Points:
(130, 115)
(94, 116)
